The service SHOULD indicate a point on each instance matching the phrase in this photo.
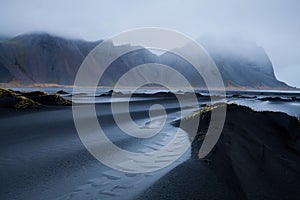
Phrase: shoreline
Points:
(53, 85)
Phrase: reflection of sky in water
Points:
(291, 108)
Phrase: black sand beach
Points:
(42, 157)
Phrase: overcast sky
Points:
(272, 24)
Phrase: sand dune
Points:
(257, 157)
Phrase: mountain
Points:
(43, 58)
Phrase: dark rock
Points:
(61, 92)
(279, 99)
(51, 99)
(34, 94)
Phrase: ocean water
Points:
(291, 108)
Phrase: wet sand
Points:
(42, 156)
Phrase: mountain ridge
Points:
(46, 59)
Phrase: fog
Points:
(272, 24)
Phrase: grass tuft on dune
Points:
(203, 111)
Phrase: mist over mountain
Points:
(241, 63)
(43, 58)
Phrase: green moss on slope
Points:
(23, 100)
(25, 103)
(6, 93)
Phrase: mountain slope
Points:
(43, 58)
